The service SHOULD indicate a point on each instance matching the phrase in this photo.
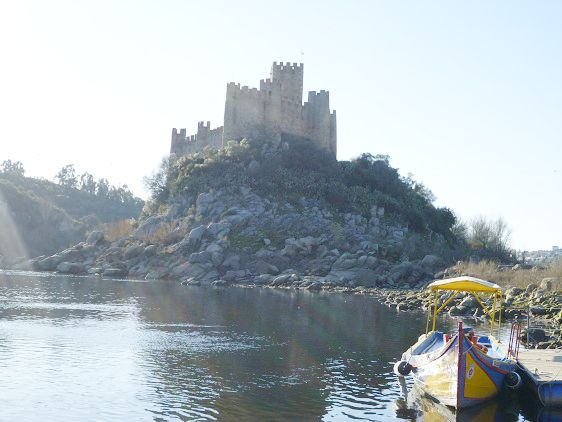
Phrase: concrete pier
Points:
(542, 372)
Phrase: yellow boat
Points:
(460, 370)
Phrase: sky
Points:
(466, 96)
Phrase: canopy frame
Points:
(476, 287)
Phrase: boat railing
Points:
(514, 340)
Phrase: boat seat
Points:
(485, 341)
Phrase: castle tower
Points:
(272, 111)
(290, 78)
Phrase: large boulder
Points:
(50, 263)
(149, 227)
(203, 257)
(232, 262)
(262, 267)
(150, 250)
(512, 293)
(539, 310)
(430, 263)
(356, 276)
(198, 271)
(534, 335)
(319, 267)
(204, 203)
(156, 274)
(236, 217)
(366, 277)
(115, 272)
(551, 284)
(195, 235)
(401, 272)
(113, 254)
(263, 279)
(470, 302)
(531, 288)
(218, 230)
(290, 251)
(95, 237)
(235, 275)
(71, 268)
(133, 251)
(280, 279)
(344, 262)
(307, 244)
(71, 255)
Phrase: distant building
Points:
(275, 110)
(541, 257)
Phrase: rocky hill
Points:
(277, 213)
(39, 217)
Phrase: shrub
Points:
(118, 229)
(167, 233)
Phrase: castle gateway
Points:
(274, 110)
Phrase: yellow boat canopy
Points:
(465, 284)
(471, 285)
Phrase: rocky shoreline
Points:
(542, 302)
(237, 236)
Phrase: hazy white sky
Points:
(467, 96)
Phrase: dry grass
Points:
(490, 271)
(118, 229)
(166, 233)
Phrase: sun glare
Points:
(12, 247)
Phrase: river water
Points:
(76, 348)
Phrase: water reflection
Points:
(414, 405)
(91, 349)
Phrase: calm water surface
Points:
(90, 349)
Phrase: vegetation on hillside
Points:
(78, 195)
(32, 223)
(48, 217)
(298, 169)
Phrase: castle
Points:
(275, 110)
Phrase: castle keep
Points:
(275, 110)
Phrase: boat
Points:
(461, 369)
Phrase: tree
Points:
(67, 177)
(157, 184)
(102, 189)
(87, 183)
(460, 230)
(13, 168)
(490, 236)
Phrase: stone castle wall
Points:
(272, 110)
(205, 136)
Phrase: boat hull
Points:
(459, 374)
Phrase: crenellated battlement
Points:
(273, 109)
(295, 67)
